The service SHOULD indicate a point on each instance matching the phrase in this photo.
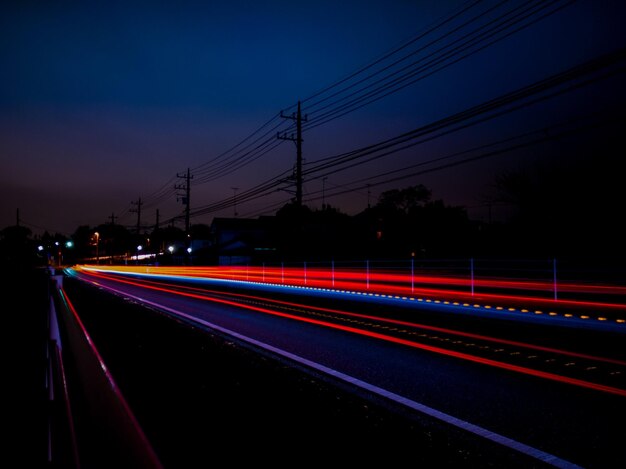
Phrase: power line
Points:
(390, 53)
(510, 17)
(573, 78)
(392, 75)
(554, 132)
(492, 108)
(233, 159)
(442, 58)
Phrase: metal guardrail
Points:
(62, 441)
(107, 431)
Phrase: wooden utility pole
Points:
(297, 138)
(139, 203)
(185, 198)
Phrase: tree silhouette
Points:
(16, 248)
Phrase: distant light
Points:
(139, 248)
(144, 256)
(40, 248)
(69, 244)
(171, 249)
(56, 243)
(189, 250)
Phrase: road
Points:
(551, 388)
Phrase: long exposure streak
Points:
(398, 340)
(382, 319)
(392, 283)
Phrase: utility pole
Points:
(235, 189)
(185, 199)
(158, 236)
(298, 140)
(139, 203)
(113, 217)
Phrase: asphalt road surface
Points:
(455, 381)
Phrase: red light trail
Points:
(404, 285)
(203, 295)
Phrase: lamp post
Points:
(97, 235)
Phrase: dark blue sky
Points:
(103, 104)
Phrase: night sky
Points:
(105, 103)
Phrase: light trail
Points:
(377, 319)
(156, 286)
(383, 278)
(437, 288)
(376, 390)
(111, 397)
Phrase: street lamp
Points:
(97, 235)
(58, 249)
(139, 248)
